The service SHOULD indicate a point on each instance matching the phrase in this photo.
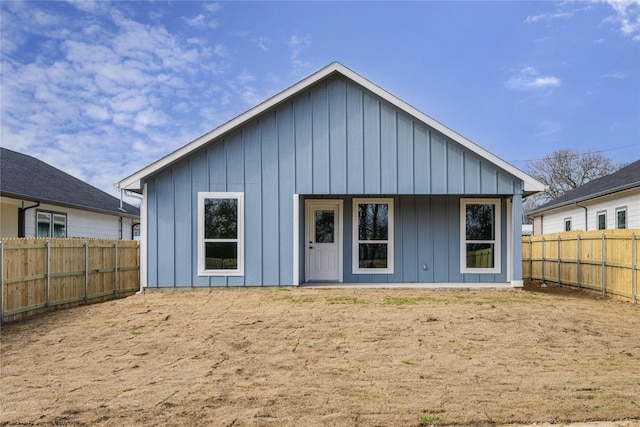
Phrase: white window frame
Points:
(626, 218)
(497, 240)
(202, 271)
(356, 242)
(598, 215)
(567, 221)
(52, 218)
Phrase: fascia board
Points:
(135, 181)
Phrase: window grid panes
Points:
(373, 244)
(51, 225)
(480, 221)
(621, 218)
(220, 234)
(602, 221)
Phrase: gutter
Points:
(22, 218)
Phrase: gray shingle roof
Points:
(28, 178)
(623, 179)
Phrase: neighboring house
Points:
(331, 180)
(38, 200)
(610, 202)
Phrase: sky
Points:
(101, 89)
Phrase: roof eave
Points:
(585, 198)
(67, 205)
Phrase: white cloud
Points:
(261, 42)
(298, 44)
(548, 16)
(528, 79)
(615, 75)
(627, 16)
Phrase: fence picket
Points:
(600, 262)
(43, 274)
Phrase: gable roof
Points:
(625, 178)
(135, 182)
(25, 177)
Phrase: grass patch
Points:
(345, 300)
(460, 299)
(295, 300)
(137, 332)
(430, 420)
(408, 362)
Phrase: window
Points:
(480, 236)
(621, 218)
(220, 234)
(50, 224)
(567, 224)
(602, 220)
(372, 236)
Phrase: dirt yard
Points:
(318, 357)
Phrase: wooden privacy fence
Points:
(605, 260)
(41, 274)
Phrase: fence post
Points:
(578, 261)
(558, 260)
(86, 272)
(115, 270)
(47, 293)
(633, 267)
(604, 286)
(543, 284)
(1, 281)
(530, 260)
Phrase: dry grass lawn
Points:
(313, 357)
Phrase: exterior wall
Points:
(426, 231)
(553, 221)
(79, 223)
(334, 140)
(9, 217)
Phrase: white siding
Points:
(9, 218)
(553, 221)
(84, 223)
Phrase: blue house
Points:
(332, 180)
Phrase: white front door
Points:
(324, 240)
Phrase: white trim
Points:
(143, 239)
(626, 218)
(517, 283)
(240, 238)
(356, 242)
(497, 238)
(310, 204)
(509, 238)
(598, 214)
(296, 240)
(134, 181)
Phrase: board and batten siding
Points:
(336, 140)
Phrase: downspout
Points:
(22, 218)
(586, 226)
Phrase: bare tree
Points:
(566, 169)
